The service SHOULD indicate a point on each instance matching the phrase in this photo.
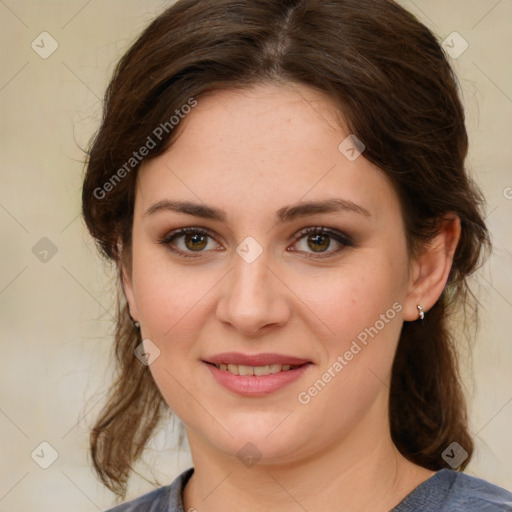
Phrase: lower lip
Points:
(252, 385)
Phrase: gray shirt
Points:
(446, 491)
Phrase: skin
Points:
(251, 152)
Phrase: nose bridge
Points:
(253, 297)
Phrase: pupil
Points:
(316, 239)
(196, 239)
(199, 239)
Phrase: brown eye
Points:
(196, 241)
(187, 241)
(320, 242)
(319, 239)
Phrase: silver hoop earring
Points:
(420, 310)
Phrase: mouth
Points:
(242, 369)
(256, 375)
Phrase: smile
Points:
(263, 377)
(241, 369)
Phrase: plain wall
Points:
(57, 314)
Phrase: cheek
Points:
(352, 299)
(166, 294)
(171, 306)
(331, 309)
(363, 311)
(338, 304)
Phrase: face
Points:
(308, 298)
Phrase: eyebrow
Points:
(285, 214)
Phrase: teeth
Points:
(241, 369)
(275, 368)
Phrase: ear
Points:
(125, 273)
(430, 270)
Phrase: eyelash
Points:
(340, 237)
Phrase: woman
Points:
(281, 185)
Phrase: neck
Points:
(364, 471)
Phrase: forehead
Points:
(267, 145)
(265, 118)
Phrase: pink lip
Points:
(253, 385)
(255, 359)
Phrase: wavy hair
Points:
(394, 88)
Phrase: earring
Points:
(420, 310)
(135, 323)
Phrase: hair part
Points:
(394, 89)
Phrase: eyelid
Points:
(340, 237)
(169, 237)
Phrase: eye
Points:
(187, 241)
(193, 240)
(319, 240)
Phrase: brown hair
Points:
(389, 78)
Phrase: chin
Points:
(265, 437)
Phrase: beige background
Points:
(56, 315)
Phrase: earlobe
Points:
(127, 284)
(431, 269)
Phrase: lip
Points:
(252, 385)
(254, 359)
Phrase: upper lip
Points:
(255, 359)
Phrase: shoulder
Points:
(164, 499)
(452, 491)
(154, 501)
(475, 494)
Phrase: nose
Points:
(254, 298)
